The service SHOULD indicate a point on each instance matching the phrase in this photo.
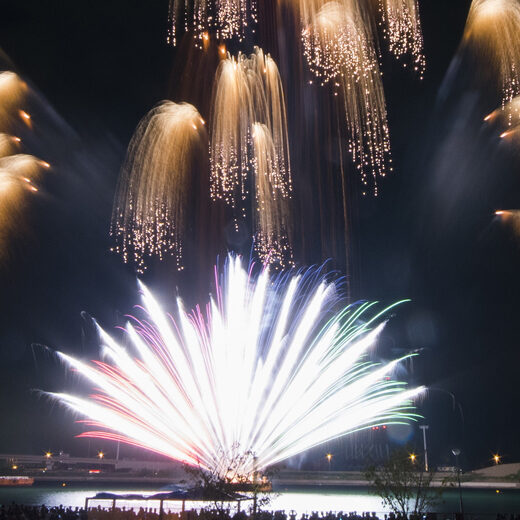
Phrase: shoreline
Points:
(278, 483)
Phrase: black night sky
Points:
(98, 67)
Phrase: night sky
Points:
(98, 67)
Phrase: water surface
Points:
(301, 500)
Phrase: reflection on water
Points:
(301, 500)
(306, 502)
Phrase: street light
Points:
(424, 427)
(413, 456)
(48, 455)
(496, 458)
(456, 452)
(329, 458)
(100, 454)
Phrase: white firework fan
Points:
(270, 367)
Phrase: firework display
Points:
(402, 29)
(339, 48)
(249, 145)
(236, 183)
(507, 117)
(228, 18)
(337, 38)
(151, 199)
(492, 30)
(19, 172)
(249, 152)
(271, 218)
(276, 364)
(8, 145)
(12, 93)
(271, 369)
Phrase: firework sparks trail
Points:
(492, 30)
(508, 118)
(249, 139)
(12, 94)
(339, 48)
(271, 216)
(18, 174)
(8, 145)
(271, 368)
(511, 218)
(402, 29)
(152, 194)
(228, 18)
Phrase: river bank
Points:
(282, 479)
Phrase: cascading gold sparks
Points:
(228, 18)
(19, 172)
(492, 30)
(271, 218)
(336, 40)
(402, 29)
(18, 175)
(152, 194)
(12, 93)
(231, 118)
(249, 138)
(339, 48)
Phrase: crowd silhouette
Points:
(25, 512)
